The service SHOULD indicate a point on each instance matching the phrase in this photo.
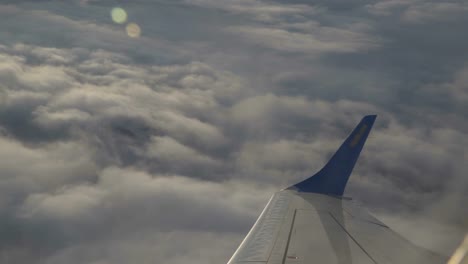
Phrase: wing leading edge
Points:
(310, 222)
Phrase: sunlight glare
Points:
(118, 15)
(133, 30)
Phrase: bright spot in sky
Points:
(119, 15)
(133, 30)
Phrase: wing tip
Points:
(333, 177)
(369, 118)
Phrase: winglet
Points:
(332, 178)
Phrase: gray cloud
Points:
(434, 11)
(116, 149)
(321, 39)
(258, 10)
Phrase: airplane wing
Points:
(460, 256)
(311, 221)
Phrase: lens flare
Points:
(133, 30)
(118, 15)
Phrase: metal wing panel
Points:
(259, 242)
(302, 228)
(318, 237)
(379, 242)
(386, 246)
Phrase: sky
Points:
(155, 131)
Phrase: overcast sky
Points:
(159, 137)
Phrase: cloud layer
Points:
(115, 149)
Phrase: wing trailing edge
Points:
(332, 178)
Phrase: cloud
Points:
(454, 91)
(321, 39)
(259, 10)
(61, 30)
(417, 11)
(131, 193)
(115, 149)
(282, 116)
(167, 152)
(421, 12)
(146, 247)
(293, 27)
(386, 8)
(126, 205)
(66, 204)
(27, 169)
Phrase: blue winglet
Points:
(332, 178)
